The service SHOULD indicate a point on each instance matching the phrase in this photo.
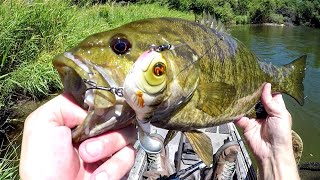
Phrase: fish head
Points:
(100, 64)
(101, 60)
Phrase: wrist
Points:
(279, 166)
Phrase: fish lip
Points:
(74, 72)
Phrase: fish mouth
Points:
(72, 78)
(82, 79)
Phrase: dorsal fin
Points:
(210, 21)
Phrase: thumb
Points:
(60, 111)
(267, 100)
(242, 122)
(273, 104)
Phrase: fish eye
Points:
(159, 69)
(120, 45)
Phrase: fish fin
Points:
(298, 67)
(210, 21)
(288, 78)
(297, 146)
(215, 97)
(203, 17)
(170, 135)
(201, 144)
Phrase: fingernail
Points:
(94, 148)
(101, 176)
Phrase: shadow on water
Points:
(281, 45)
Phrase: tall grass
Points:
(9, 158)
(30, 35)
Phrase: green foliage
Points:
(24, 33)
(9, 158)
(309, 13)
(276, 18)
(251, 11)
(241, 19)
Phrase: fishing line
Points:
(114, 90)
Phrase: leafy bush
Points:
(241, 19)
(276, 18)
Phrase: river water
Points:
(281, 45)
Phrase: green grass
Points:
(9, 159)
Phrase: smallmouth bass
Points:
(210, 77)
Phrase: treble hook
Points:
(161, 47)
(114, 90)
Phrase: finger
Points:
(279, 99)
(273, 104)
(242, 122)
(71, 113)
(103, 146)
(117, 166)
(60, 111)
(266, 98)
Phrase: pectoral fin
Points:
(201, 144)
(170, 135)
(215, 97)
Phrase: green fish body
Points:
(210, 77)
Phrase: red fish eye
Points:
(120, 45)
(159, 69)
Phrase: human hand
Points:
(270, 139)
(48, 153)
(270, 135)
